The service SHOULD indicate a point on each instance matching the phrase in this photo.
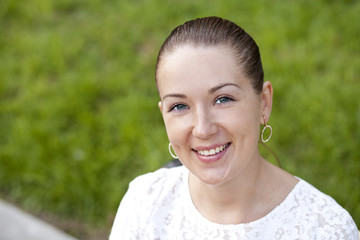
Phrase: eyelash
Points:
(228, 99)
(173, 107)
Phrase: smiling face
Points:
(211, 112)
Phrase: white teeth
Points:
(212, 151)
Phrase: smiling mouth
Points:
(212, 151)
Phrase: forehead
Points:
(186, 55)
(189, 66)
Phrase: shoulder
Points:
(310, 198)
(146, 194)
(321, 215)
(159, 180)
(148, 189)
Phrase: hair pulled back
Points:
(215, 31)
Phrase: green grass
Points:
(78, 102)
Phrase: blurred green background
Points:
(78, 102)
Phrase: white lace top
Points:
(158, 206)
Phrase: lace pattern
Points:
(158, 206)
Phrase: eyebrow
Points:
(211, 91)
(177, 95)
(214, 89)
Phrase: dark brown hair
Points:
(215, 31)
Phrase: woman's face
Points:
(211, 112)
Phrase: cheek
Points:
(243, 122)
(176, 130)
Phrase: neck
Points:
(234, 201)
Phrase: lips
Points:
(212, 151)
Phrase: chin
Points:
(211, 176)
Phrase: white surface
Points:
(16, 224)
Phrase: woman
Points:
(213, 100)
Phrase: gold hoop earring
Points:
(262, 132)
(171, 153)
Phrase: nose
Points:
(204, 124)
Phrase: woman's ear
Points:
(266, 101)
(160, 106)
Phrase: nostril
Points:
(204, 130)
(203, 124)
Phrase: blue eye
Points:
(222, 100)
(178, 107)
